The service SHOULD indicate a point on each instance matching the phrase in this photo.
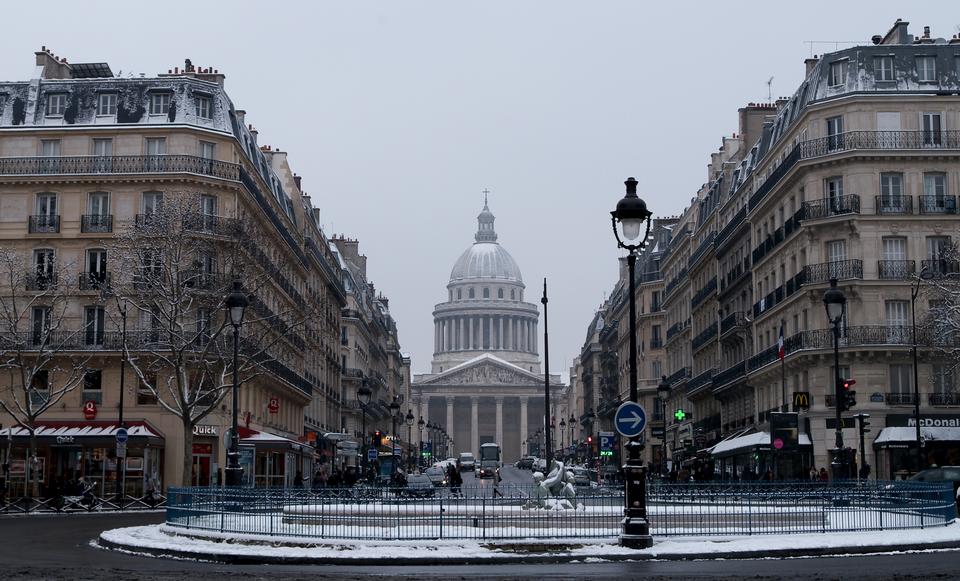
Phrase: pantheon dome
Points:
(485, 312)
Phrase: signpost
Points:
(606, 444)
(122, 437)
(630, 419)
(372, 454)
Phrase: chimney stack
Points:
(810, 64)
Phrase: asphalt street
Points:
(59, 547)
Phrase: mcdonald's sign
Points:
(801, 400)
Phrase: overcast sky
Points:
(397, 114)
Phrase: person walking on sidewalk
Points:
(496, 483)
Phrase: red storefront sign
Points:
(90, 410)
(274, 405)
(202, 449)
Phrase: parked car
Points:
(539, 465)
(610, 474)
(467, 462)
(525, 463)
(437, 475)
(949, 474)
(418, 486)
(581, 476)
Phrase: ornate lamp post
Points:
(572, 422)
(420, 425)
(563, 425)
(631, 213)
(663, 390)
(409, 419)
(395, 418)
(925, 274)
(363, 398)
(835, 303)
(236, 303)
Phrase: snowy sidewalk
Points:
(164, 541)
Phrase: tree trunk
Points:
(187, 478)
(31, 478)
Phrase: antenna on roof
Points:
(770, 89)
(836, 43)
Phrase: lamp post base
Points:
(233, 473)
(636, 528)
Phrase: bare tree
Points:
(940, 327)
(174, 269)
(38, 350)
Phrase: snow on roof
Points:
(489, 357)
(909, 434)
(754, 440)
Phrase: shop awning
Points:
(746, 442)
(267, 440)
(905, 435)
(67, 431)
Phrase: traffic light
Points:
(849, 396)
(680, 415)
(377, 438)
(590, 440)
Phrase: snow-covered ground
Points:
(201, 543)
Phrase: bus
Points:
(489, 460)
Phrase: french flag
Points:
(781, 350)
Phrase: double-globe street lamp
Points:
(572, 422)
(835, 303)
(364, 393)
(395, 418)
(630, 215)
(925, 274)
(420, 425)
(663, 391)
(409, 419)
(563, 448)
(235, 303)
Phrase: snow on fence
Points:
(673, 509)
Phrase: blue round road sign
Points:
(630, 419)
(122, 436)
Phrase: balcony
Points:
(672, 284)
(944, 398)
(44, 224)
(883, 140)
(735, 275)
(656, 343)
(730, 374)
(678, 376)
(701, 250)
(938, 204)
(779, 294)
(702, 294)
(838, 269)
(896, 269)
(677, 328)
(776, 175)
(704, 336)
(938, 267)
(837, 206)
(736, 320)
(893, 205)
(731, 227)
(40, 281)
(211, 224)
(119, 164)
(699, 381)
(96, 223)
(895, 398)
(90, 281)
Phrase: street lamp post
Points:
(663, 390)
(121, 462)
(395, 418)
(925, 274)
(835, 303)
(409, 418)
(546, 380)
(420, 425)
(563, 426)
(364, 394)
(631, 213)
(235, 303)
(571, 422)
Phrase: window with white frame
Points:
(833, 188)
(891, 191)
(838, 73)
(901, 379)
(894, 248)
(93, 325)
(41, 321)
(152, 202)
(207, 149)
(50, 148)
(835, 133)
(103, 147)
(926, 68)
(204, 106)
(56, 104)
(106, 104)
(932, 126)
(836, 250)
(883, 68)
(942, 378)
(160, 103)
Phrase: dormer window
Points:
(204, 107)
(160, 103)
(926, 69)
(838, 73)
(883, 68)
(106, 104)
(56, 104)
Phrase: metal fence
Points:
(61, 504)
(673, 509)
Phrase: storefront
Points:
(205, 470)
(278, 461)
(749, 456)
(68, 451)
(896, 444)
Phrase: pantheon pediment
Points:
(487, 371)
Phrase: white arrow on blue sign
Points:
(630, 419)
(122, 436)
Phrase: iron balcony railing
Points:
(776, 175)
(96, 223)
(93, 280)
(656, 343)
(836, 206)
(733, 321)
(673, 283)
(701, 250)
(896, 269)
(44, 224)
(738, 219)
(893, 205)
(779, 294)
(730, 374)
(838, 269)
(899, 398)
(884, 140)
(938, 204)
(944, 399)
(702, 294)
(735, 274)
(118, 164)
(940, 266)
(679, 375)
(704, 336)
(677, 328)
(41, 281)
(699, 381)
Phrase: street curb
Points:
(536, 558)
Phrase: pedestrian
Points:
(824, 477)
(496, 483)
(814, 476)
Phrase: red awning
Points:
(79, 429)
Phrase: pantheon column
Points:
(523, 419)
(475, 424)
(499, 401)
(470, 340)
(449, 399)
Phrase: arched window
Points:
(499, 293)
(459, 293)
(470, 293)
(513, 295)
(486, 293)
